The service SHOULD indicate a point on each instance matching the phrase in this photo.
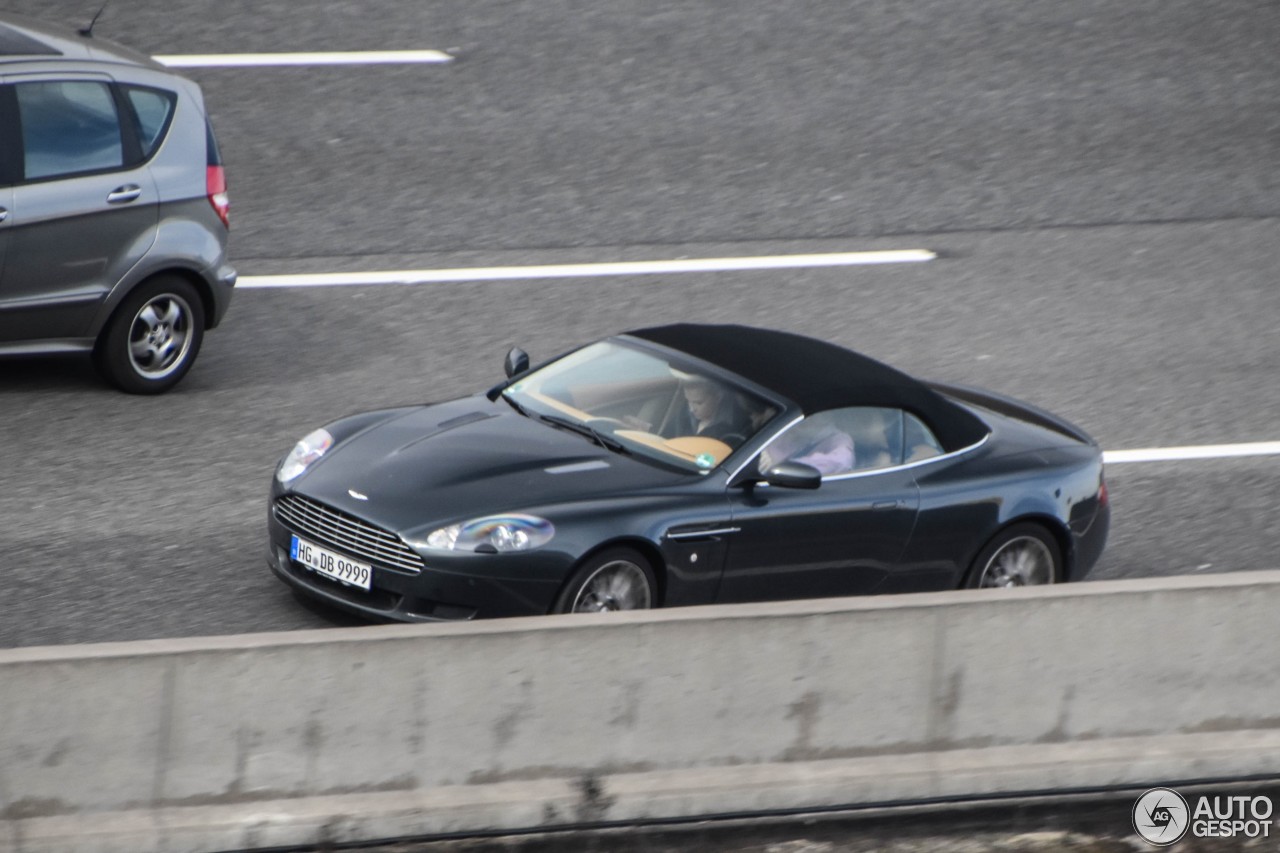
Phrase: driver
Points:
(712, 411)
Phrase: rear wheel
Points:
(152, 340)
(1021, 555)
(616, 579)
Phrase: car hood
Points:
(452, 461)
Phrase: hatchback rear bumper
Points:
(223, 285)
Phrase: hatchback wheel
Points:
(152, 339)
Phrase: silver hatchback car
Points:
(113, 207)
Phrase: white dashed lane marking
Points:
(1202, 451)
(352, 57)
(612, 268)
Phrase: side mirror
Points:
(793, 475)
(517, 362)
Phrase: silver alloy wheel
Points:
(160, 336)
(1022, 561)
(617, 585)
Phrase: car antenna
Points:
(87, 32)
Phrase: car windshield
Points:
(637, 401)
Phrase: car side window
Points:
(821, 440)
(858, 438)
(918, 440)
(69, 127)
(877, 436)
(154, 109)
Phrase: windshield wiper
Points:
(519, 408)
(608, 442)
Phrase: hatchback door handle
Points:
(126, 193)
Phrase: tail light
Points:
(1103, 497)
(215, 177)
(216, 187)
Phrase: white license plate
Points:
(325, 562)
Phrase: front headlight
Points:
(494, 534)
(305, 452)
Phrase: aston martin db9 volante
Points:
(679, 465)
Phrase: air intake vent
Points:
(334, 529)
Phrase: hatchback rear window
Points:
(212, 152)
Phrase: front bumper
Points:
(434, 595)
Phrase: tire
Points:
(153, 337)
(1021, 555)
(614, 579)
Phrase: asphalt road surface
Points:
(1098, 178)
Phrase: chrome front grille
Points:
(332, 528)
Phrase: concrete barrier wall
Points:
(341, 735)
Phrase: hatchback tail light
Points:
(215, 177)
(216, 187)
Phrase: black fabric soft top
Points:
(818, 375)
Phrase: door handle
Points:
(880, 505)
(126, 193)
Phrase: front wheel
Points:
(1021, 555)
(152, 339)
(616, 579)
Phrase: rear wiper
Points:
(608, 442)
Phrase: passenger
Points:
(814, 441)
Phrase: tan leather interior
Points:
(694, 446)
(688, 447)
